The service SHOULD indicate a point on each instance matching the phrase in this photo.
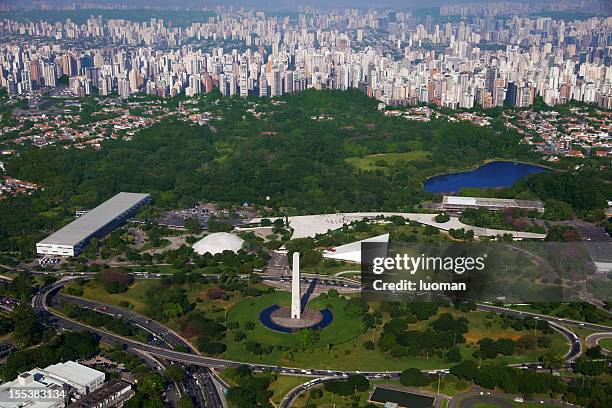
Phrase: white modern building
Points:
(217, 243)
(58, 380)
(459, 203)
(82, 378)
(352, 252)
(74, 237)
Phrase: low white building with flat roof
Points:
(74, 237)
(57, 380)
(460, 203)
(82, 378)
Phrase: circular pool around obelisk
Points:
(279, 319)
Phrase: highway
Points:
(200, 384)
(550, 319)
(204, 377)
(39, 302)
(288, 400)
(574, 341)
(160, 332)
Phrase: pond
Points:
(491, 175)
(266, 320)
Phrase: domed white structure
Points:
(217, 243)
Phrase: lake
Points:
(490, 175)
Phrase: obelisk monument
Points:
(296, 298)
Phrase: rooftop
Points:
(84, 226)
(53, 377)
(217, 243)
(74, 373)
(491, 202)
(110, 390)
(351, 252)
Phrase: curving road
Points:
(39, 303)
(593, 339)
(574, 341)
(288, 400)
(161, 333)
(478, 395)
(476, 399)
(201, 383)
(550, 319)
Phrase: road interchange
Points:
(40, 304)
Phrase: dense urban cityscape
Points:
(400, 204)
(485, 60)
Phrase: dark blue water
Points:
(264, 318)
(490, 175)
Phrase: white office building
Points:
(59, 381)
(458, 203)
(82, 378)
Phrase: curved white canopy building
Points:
(352, 252)
(217, 243)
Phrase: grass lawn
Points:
(8, 274)
(279, 387)
(341, 343)
(484, 324)
(325, 267)
(282, 385)
(412, 229)
(6, 338)
(368, 163)
(526, 404)
(135, 295)
(157, 268)
(225, 375)
(449, 385)
(531, 404)
(330, 400)
(342, 329)
(218, 309)
(581, 331)
(606, 343)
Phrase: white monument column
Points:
(296, 299)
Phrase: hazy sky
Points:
(261, 4)
(283, 5)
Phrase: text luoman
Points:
(420, 285)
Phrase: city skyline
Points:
(392, 56)
(274, 204)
